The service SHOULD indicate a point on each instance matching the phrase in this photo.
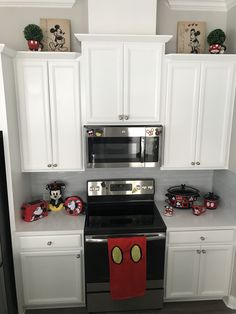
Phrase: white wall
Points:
(13, 21)
(167, 21)
(231, 31)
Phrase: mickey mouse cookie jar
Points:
(56, 199)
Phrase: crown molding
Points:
(202, 5)
(38, 3)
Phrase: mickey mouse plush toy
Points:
(56, 201)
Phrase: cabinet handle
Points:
(198, 251)
(54, 165)
(49, 165)
(202, 238)
(198, 163)
(78, 256)
(192, 163)
(126, 117)
(121, 117)
(49, 243)
(204, 251)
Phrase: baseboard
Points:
(230, 302)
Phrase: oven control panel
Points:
(121, 187)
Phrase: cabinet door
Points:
(215, 271)
(34, 115)
(103, 74)
(215, 114)
(181, 114)
(182, 272)
(65, 115)
(51, 278)
(142, 82)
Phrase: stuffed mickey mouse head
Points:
(56, 201)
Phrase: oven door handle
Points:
(93, 239)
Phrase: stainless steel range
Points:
(122, 208)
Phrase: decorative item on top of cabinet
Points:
(122, 77)
(191, 37)
(34, 35)
(56, 34)
(49, 111)
(199, 111)
(216, 41)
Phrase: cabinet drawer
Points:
(50, 242)
(204, 236)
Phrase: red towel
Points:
(127, 262)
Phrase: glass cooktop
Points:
(126, 217)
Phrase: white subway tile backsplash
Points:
(76, 181)
(224, 185)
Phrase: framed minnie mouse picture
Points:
(191, 37)
(56, 34)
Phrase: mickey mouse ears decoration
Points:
(55, 186)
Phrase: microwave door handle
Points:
(142, 149)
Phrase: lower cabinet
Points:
(196, 270)
(52, 275)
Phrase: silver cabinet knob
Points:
(192, 163)
(78, 256)
(204, 251)
(121, 117)
(49, 243)
(198, 251)
(49, 165)
(202, 238)
(198, 163)
(54, 165)
(126, 117)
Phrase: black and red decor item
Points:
(182, 196)
(211, 200)
(35, 210)
(74, 205)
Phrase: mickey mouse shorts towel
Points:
(127, 263)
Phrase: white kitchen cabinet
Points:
(52, 270)
(199, 268)
(49, 114)
(200, 95)
(122, 78)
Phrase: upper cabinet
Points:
(200, 93)
(49, 112)
(122, 78)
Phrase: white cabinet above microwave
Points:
(122, 78)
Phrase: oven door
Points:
(97, 262)
(97, 276)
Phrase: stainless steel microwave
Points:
(123, 146)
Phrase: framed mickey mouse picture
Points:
(56, 34)
(191, 37)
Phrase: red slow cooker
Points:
(182, 196)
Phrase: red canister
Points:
(211, 200)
